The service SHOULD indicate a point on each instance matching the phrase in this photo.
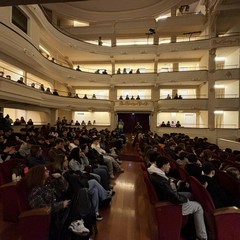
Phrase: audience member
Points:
(55, 92)
(20, 80)
(219, 196)
(168, 97)
(78, 68)
(163, 124)
(95, 190)
(42, 88)
(178, 124)
(167, 191)
(176, 96)
(100, 43)
(43, 194)
(107, 159)
(30, 122)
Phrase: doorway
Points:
(130, 120)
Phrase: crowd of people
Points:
(172, 124)
(66, 164)
(129, 98)
(200, 159)
(174, 97)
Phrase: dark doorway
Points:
(130, 120)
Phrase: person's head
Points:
(35, 151)
(209, 169)
(95, 140)
(59, 143)
(182, 155)
(60, 163)
(163, 163)
(192, 158)
(75, 154)
(153, 155)
(84, 148)
(36, 176)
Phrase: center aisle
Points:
(128, 216)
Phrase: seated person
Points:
(55, 92)
(168, 124)
(78, 68)
(17, 122)
(76, 95)
(178, 124)
(42, 88)
(132, 98)
(219, 196)
(121, 98)
(168, 97)
(194, 167)
(43, 194)
(176, 96)
(127, 97)
(94, 96)
(163, 124)
(35, 157)
(138, 97)
(83, 123)
(119, 71)
(48, 91)
(77, 123)
(20, 80)
(167, 191)
(30, 122)
(85, 96)
(10, 151)
(95, 190)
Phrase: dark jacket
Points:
(164, 190)
(219, 196)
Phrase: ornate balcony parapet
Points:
(134, 105)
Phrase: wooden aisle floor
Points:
(128, 217)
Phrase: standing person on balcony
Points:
(167, 191)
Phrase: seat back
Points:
(228, 183)
(22, 193)
(6, 169)
(184, 175)
(201, 195)
(150, 188)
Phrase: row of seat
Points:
(221, 223)
(168, 216)
(31, 223)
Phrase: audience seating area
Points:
(221, 223)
